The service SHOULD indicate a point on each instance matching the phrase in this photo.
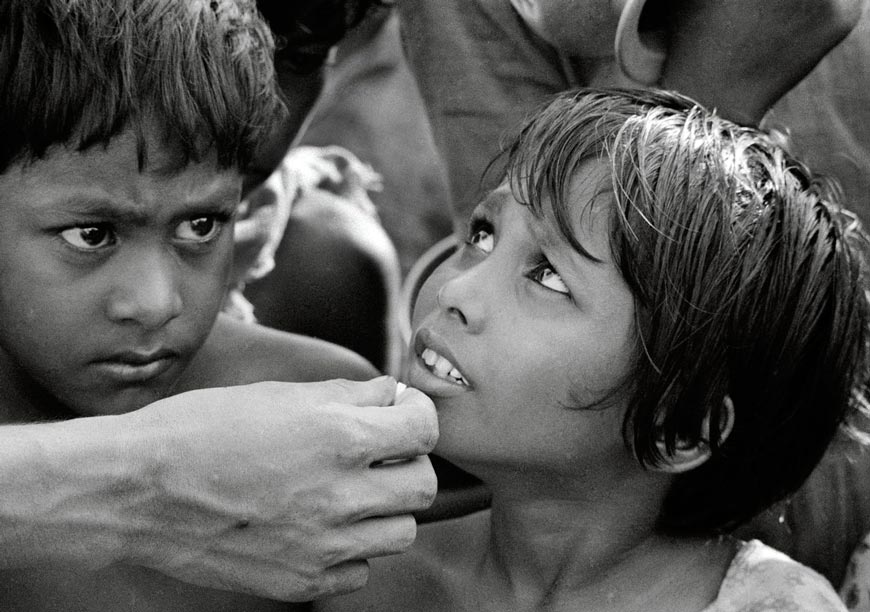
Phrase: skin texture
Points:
(134, 495)
(481, 67)
(581, 29)
(167, 487)
(105, 267)
(742, 56)
(271, 490)
(739, 56)
(556, 350)
(572, 521)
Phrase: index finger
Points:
(403, 431)
(376, 392)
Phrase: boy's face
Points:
(535, 330)
(110, 279)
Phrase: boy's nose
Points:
(146, 291)
(463, 298)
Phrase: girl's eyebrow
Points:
(495, 200)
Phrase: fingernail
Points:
(400, 389)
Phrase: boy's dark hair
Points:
(749, 280)
(79, 72)
(307, 29)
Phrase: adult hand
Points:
(281, 489)
(276, 489)
(740, 56)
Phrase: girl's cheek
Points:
(425, 302)
(427, 298)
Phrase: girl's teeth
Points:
(442, 367)
(429, 357)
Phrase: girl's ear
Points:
(689, 455)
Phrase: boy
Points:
(127, 125)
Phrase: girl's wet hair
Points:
(750, 282)
(79, 72)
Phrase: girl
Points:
(653, 330)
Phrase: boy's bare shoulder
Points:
(238, 353)
(435, 575)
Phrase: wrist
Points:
(77, 491)
(142, 471)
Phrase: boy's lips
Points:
(434, 369)
(137, 366)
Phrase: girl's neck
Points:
(597, 548)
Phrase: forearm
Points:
(71, 490)
(254, 488)
(741, 56)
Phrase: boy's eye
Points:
(546, 276)
(199, 229)
(89, 238)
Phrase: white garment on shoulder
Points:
(762, 579)
(855, 589)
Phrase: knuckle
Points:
(407, 534)
(430, 486)
(430, 438)
(422, 499)
(354, 446)
(357, 576)
(284, 586)
(423, 425)
(421, 494)
(313, 579)
(342, 504)
(334, 554)
(348, 577)
(307, 591)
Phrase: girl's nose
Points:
(147, 291)
(463, 297)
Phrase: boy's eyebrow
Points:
(101, 206)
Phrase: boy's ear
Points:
(689, 455)
(640, 52)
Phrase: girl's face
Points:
(516, 332)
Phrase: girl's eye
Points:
(546, 276)
(481, 236)
(199, 229)
(89, 237)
